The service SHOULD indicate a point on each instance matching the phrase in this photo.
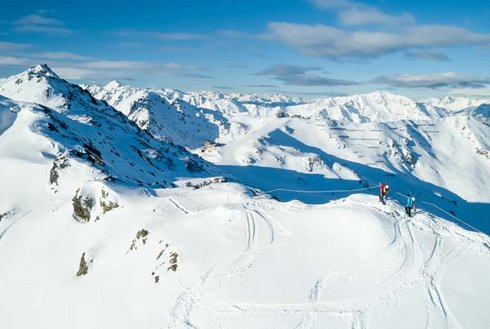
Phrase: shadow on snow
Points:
(267, 179)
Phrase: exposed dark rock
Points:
(82, 207)
(84, 266)
(193, 166)
(59, 164)
(107, 205)
(173, 262)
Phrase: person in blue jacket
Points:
(410, 204)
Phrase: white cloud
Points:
(14, 61)
(235, 34)
(356, 13)
(171, 36)
(80, 67)
(301, 76)
(333, 4)
(103, 70)
(471, 92)
(362, 16)
(61, 55)
(180, 36)
(326, 41)
(11, 46)
(136, 65)
(434, 81)
(79, 73)
(38, 22)
(432, 55)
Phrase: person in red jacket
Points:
(383, 192)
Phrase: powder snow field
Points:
(244, 263)
(106, 223)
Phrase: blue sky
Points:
(301, 47)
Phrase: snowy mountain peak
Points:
(378, 97)
(377, 106)
(74, 126)
(113, 85)
(42, 70)
(386, 96)
(39, 84)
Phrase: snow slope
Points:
(165, 118)
(89, 238)
(376, 106)
(340, 142)
(242, 262)
(236, 103)
(482, 113)
(455, 103)
(80, 129)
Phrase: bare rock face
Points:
(60, 163)
(92, 201)
(85, 262)
(82, 207)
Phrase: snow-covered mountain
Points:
(69, 126)
(455, 103)
(377, 106)
(481, 113)
(108, 220)
(236, 103)
(381, 130)
(340, 142)
(190, 120)
(163, 115)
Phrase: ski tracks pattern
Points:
(263, 231)
(190, 302)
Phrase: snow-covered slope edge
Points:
(200, 258)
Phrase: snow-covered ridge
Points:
(39, 84)
(232, 130)
(456, 103)
(376, 106)
(163, 114)
(84, 128)
(482, 113)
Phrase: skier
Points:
(383, 192)
(410, 204)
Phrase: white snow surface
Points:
(455, 104)
(376, 106)
(106, 223)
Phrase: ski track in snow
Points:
(237, 264)
(191, 308)
(13, 222)
(412, 268)
(178, 205)
(434, 272)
